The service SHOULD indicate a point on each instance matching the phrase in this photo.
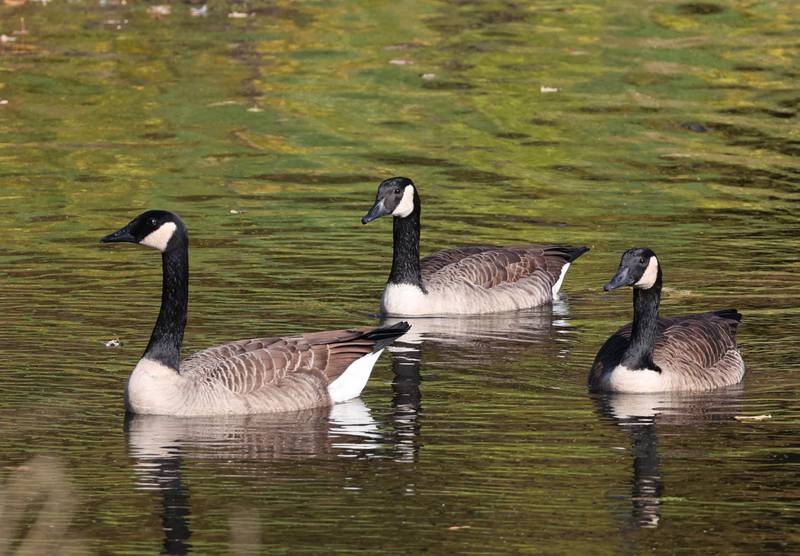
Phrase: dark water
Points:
(666, 124)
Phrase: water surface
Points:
(672, 125)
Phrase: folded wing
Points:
(491, 267)
(248, 366)
(698, 350)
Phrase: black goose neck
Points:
(405, 258)
(167, 337)
(639, 354)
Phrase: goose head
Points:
(638, 268)
(158, 229)
(396, 196)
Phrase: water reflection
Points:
(160, 444)
(641, 416)
(41, 491)
(497, 332)
(407, 399)
(479, 339)
(339, 429)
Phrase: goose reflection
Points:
(494, 331)
(642, 416)
(479, 339)
(160, 444)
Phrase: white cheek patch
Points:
(406, 205)
(650, 274)
(160, 238)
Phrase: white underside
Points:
(634, 381)
(155, 389)
(407, 300)
(560, 281)
(352, 381)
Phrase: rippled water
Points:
(666, 124)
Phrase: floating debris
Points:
(159, 11)
(117, 24)
(752, 417)
(202, 11)
(115, 343)
(255, 109)
(7, 38)
(459, 527)
(23, 468)
(428, 76)
(224, 103)
(546, 89)
(234, 211)
(239, 15)
(697, 127)
(3, 101)
(401, 62)
(22, 29)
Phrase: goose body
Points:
(260, 375)
(465, 280)
(684, 353)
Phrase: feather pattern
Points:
(464, 280)
(693, 352)
(492, 267)
(260, 375)
(484, 279)
(686, 353)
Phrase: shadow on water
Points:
(643, 417)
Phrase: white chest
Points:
(404, 300)
(155, 389)
(623, 379)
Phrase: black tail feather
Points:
(568, 252)
(385, 335)
(731, 314)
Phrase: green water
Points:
(606, 124)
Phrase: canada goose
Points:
(464, 280)
(260, 375)
(687, 353)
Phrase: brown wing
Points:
(440, 259)
(489, 267)
(696, 347)
(247, 366)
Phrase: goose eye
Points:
(397, 191)
(153, 221)
(641, 260)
